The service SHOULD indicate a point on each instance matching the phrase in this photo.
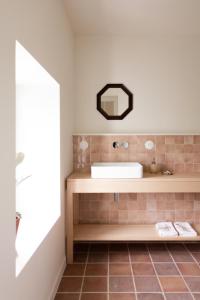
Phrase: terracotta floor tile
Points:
(160, 256)
(150, 296)
(119, 256)
(118, 247)
(122, 296)
(100, 257)
(81, 247)
(175, 246)
(67, 297)
(95, 284)
(97, 269)
(178, 296)
(121, 284)
(120, 269)
(196, 255)
(173, 284)
(157, 247)
(74, 270)
(99, 247)
(94, 296)
(70, 284)
(196, 296)
(181, 256)
(140, 256)
(147, 284)
(137, 247)
(193, 284)
(189, 269)
(166, 269)
(143, 269)
(193, 247)
(80, 257)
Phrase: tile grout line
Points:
(163, 293)
(84, 272)
(191, 253)
(179, 271)
(134, 284)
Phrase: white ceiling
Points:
(134, 17)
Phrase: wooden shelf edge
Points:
(101, 232)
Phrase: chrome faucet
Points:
(120, 145)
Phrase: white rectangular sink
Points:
(117, 170)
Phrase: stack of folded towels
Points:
(169, 229)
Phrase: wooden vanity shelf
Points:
(83, 183)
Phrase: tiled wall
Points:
(179, 153)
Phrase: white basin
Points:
(117, 170)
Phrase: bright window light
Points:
(38, 141)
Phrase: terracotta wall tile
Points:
(170, 139)
(197, 139)
(188, 139)
(179, 153)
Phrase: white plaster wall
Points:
(163, 73)
(42, 28)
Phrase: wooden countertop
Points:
(81, 182)
(147, 177)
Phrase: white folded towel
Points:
(166, 229)
(185, 229)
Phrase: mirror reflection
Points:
(114, 101)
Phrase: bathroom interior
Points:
(100, 147)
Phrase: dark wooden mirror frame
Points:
(130, 101)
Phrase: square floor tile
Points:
(173, 284)
(137, 247)
(118, 247)
(95, 284)
(70, 284)
(96, 269)
(93, 296)
(121, 284)
(122, 296)
(166, 269)
(176, 247)
(178, 296)
(120, 269)
(140, 256)
(150, 296)
(160, 256)
(98, 257)
(181, 256)
(119, 257)
(147, 284)
(143, 269)
(193, 284)
(193, 247)
(157, 247)
(196, 296)
(67, 297)
(196, 255)
(80, 257)
(74, 270)
(81, 247)
(96, 247)
(189, 269)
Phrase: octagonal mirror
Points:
(114, 101)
